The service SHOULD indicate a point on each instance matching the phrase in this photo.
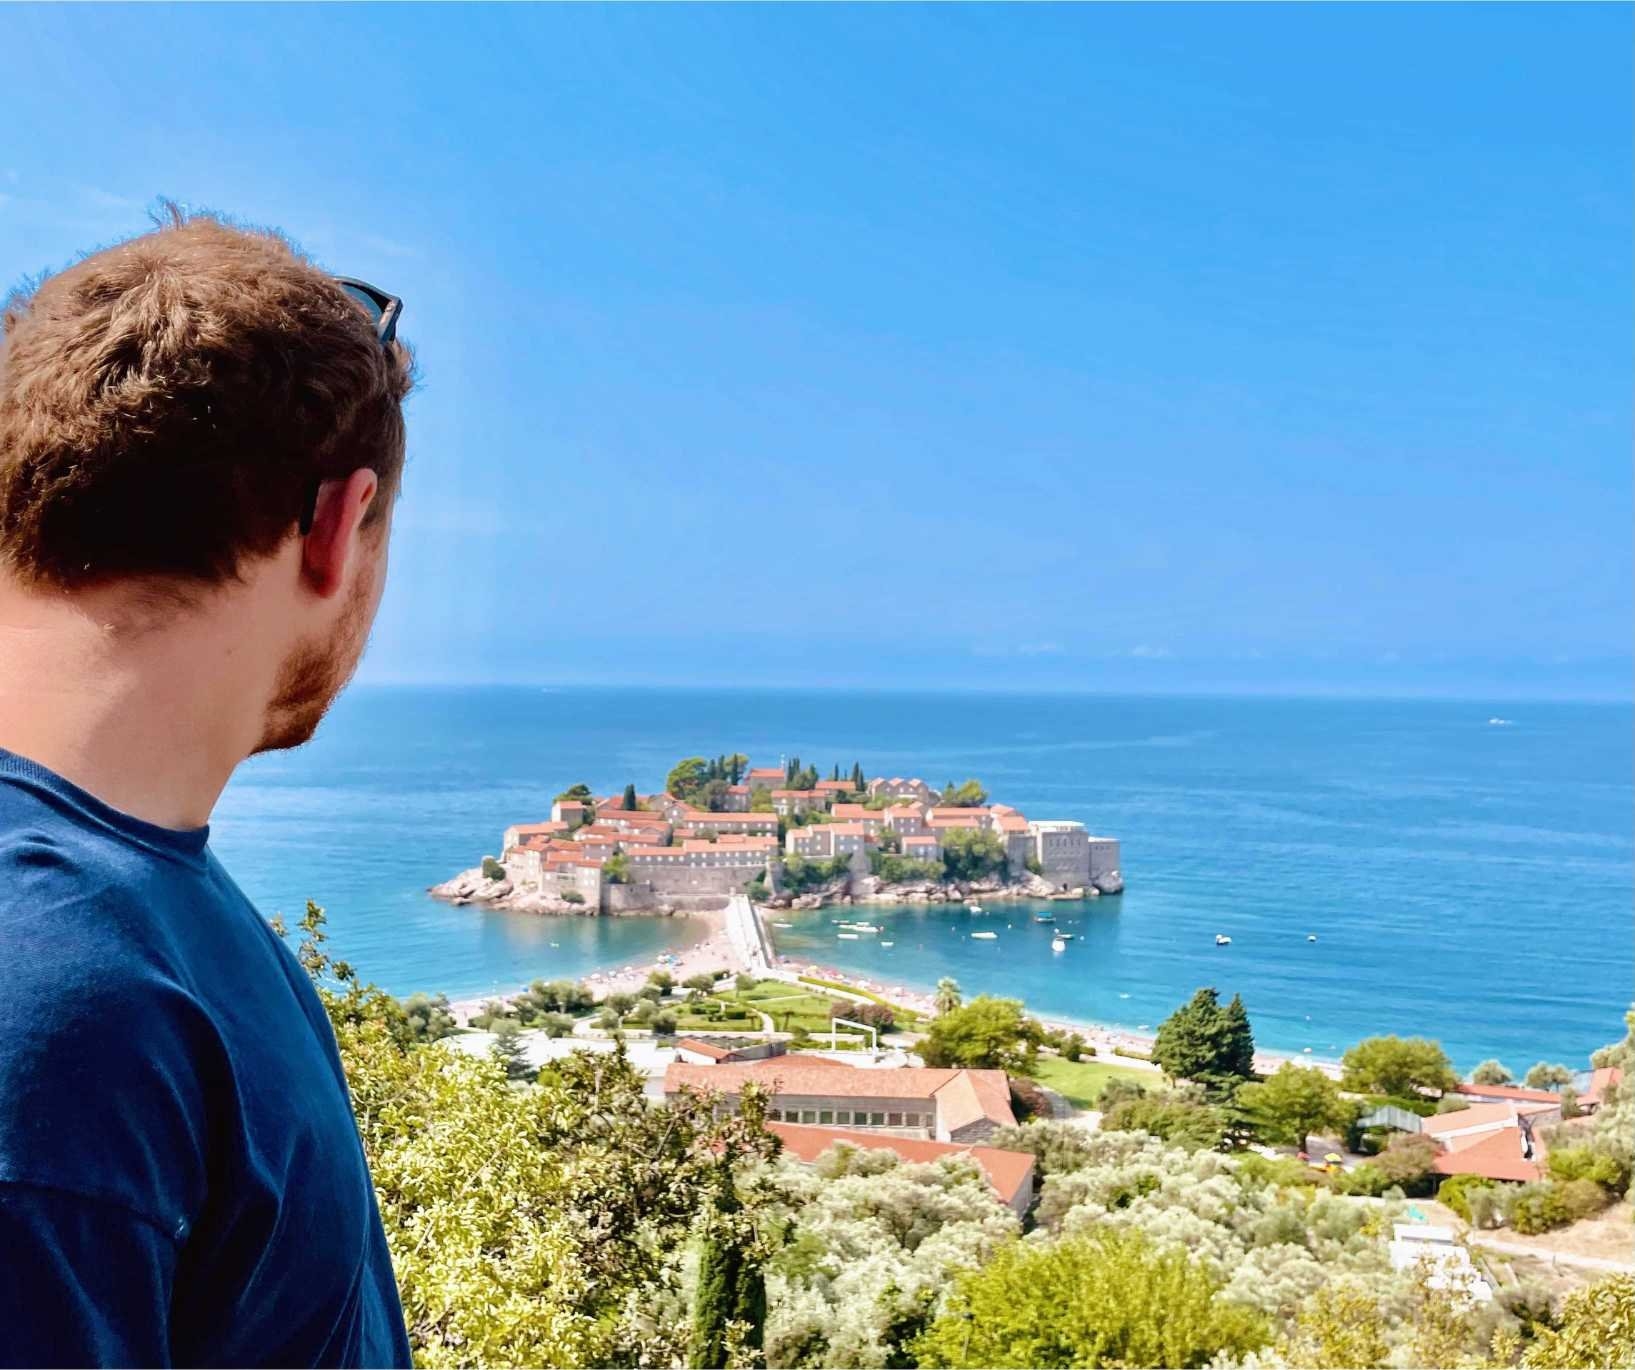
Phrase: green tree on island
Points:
(1491, 1072)
(1206, 1043)
(948, 995)
(985, 1034)
(1107, 1298)
(1398, 1066)
(1293, 1103)
(971, 853)
(970, 795)
(687, 778)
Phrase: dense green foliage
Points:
(1596, 1329)
(1547, 1075)
(492, 869)
(1491, 1072)
(894, 869)
(1103, 1299)
(969, 795)
(1396, 1066)
(1187, 1123)
(947, 996)
(985, 1034)
(971, 853)
(428, 1017)
(1293, 1103)
(1206, 1043)
(801, 873)
(571, 1222)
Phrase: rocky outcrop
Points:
(473, 887)
(1111, 883)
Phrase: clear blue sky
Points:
(1276, 348)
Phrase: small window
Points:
(894, 1120)
(877, 1120)
(826, 1116)
(844, 1117)
(808, 1115)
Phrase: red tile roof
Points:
(854, 811)
(1008, 1172)
(1501, 1114)
(1496, 1154)
(1495, 1092)
(962, 1096)
(956, 811)
(767, 773)
(836, 786)
(710, 1049)
(1600, 1078)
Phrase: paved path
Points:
(1554, 1257)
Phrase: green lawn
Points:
(1079, 1082)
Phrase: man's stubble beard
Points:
(315, 673)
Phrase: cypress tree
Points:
(1238, 1048)
(731, 1284)
(629, 800)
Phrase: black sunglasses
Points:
(383, 311)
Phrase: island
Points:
(785, 838)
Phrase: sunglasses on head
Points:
(383, 311)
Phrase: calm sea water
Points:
(1467, 881)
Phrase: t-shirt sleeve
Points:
(86, 1282)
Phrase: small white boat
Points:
(1065, 936)
(783, 925)
(847, 936)
(1222, 940)
(973, 906)
(1058, 943)
(1044, 918)
(1311, 937)
(865, 927)
(986, 936)
(888, 944)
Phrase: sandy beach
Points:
(713, 952)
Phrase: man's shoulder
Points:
(107, 1057)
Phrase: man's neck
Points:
(149, 711)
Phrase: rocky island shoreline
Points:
(785, 838)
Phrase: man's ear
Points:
(327, 551)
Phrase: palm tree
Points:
(948, 996)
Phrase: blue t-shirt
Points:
(181, 1180)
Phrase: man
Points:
(201, 436)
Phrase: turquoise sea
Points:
(1467, 880)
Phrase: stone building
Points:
(942, 1104)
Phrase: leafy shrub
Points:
(492, 869)
(1596, 1327)
(1456, 1190)
(1407, 1161)
(1537, 1207)
(1130, 1053)
(1366, 1179)
(572, 897)
(1583, 1198)
(1486, 1206)
(1073, 1047)
(1197, 1127)
(1590, 1161)
(1106, 1298)
(555, 1024)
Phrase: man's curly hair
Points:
(167, 404)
